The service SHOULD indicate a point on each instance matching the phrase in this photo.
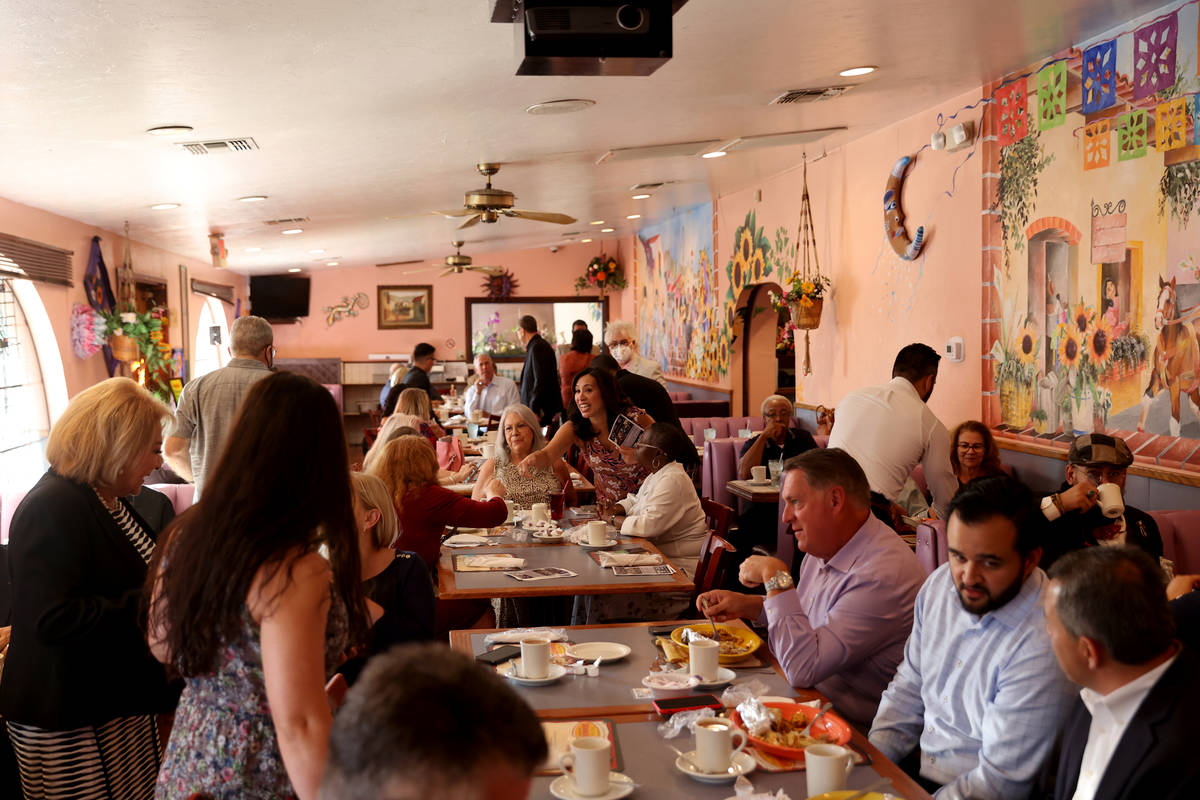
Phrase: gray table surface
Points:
(613, 686)
(650, 763)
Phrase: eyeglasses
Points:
(1099, 475)
(650, 446)
(971, 447)
(621, 343)
(781, 414)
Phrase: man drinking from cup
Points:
(1089, 509)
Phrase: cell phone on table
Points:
(501, 654)
(674, 705)
(662, 630)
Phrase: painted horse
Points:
(1176, 365)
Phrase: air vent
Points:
(244, 145)
(552, 19)
(291, 221)
(809, 95)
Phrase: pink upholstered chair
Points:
(182, 494)
(720, 467)
(931, 544)
(1180, 531)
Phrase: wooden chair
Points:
(719, 516)
(717, 556)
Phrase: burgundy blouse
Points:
(429, 511)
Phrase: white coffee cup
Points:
(827, 766)
(758, 474)
(710, 434)
(587, 764)
(539, 512)
(512, 510)
(488, 450)
(535, 658)
(597, 533)
(714, 743)
(703, 658)
(1111, 504)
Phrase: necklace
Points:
(111, 505)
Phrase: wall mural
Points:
(1096, 211)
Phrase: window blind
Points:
(21, 258)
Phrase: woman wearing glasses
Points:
(973, 453)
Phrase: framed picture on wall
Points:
(405, 307)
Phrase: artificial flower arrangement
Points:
(145, 328)
(603, 273)
(803, 290)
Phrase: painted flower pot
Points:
(1016, 403)
(1082, 419)
(124, 348)
(807, 317)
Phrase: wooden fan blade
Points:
(451, 271)
(487, 270)
(394, 217)
(458, 212)
(472, 221)
(415, 271)
(540, 216)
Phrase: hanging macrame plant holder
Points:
(806, 316)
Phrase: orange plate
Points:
(830, 725)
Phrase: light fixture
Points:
(633, 216)
(252, 249)
(164, 206)
(641, 196)
(169, 130)
(316, 251)
(252, 198)
(332, 263)
(560, 106)
(854, 72)
(292, 231)
(607, 230)
(584, 241)
(713, 154)
(294, 269)
(597, 222)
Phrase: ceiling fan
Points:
(487, 204)
(457, 264)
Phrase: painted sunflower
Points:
(755, 266)
(1099, 348)
(745, 240)
(1069, 347)
(737, 272)
(1081, 318)
(1026, 344)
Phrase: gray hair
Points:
(503, 454)
(826, 467)
(619, 328)
(484, 354)
(771, 398)
(250, 335)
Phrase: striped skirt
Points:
(118, 759)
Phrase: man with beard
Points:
(974, 708)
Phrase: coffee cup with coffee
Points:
(758, 474)
(827, 766)
(704, 658)
(588, 765)
(597, 533)
(714, 744)
(535, 658)
(1111, 503)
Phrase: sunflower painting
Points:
(1099, 344)
(1081, 318)
(1026, 345)
(1070, 346)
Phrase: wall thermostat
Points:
(955, 349)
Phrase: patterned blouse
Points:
(614, 478)
(524, 492)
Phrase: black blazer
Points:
(1156, 756)
(648, 395)
(78, 654)
(540, 389)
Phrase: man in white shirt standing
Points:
(490, 393)
(889, 430)
(621, 339)
(1129, 735)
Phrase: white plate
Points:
(605, 546)
(563, 787)
(556, 672)
(548, 534)
(724, 676)
(741, 763)
(590, 651)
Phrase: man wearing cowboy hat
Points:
(1086, 512)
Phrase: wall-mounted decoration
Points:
(216, 249)
(893, 214)
(1096, 140)
(1154, 56)
(347, 308)
(1108, 232)
(491, 327)
(1052, 96)
(500, 287)
(404, 307)
(1013, 112)
(1131, 135)
(1170, 125)
(1099, 77)
(603, 273)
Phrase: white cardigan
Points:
(667, 510)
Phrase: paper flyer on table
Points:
(542, 574)
(658, 569)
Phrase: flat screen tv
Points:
(278, 296)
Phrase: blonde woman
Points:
(500, 476)
(414, 409)
(81, 689)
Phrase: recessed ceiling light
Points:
(713, 154)
(252, 198)
(294, 269)
(252, 249)
(292, 231)
(584, 241)
(317, 251)
(332, 263)
(169, 130)
(640, 196)
(597, 222)
(164, 206)
(854, 72)
(607, 230)
(633, 216)
(560, 106)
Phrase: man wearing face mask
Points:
(1077, 511)
(621, 339)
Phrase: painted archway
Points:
(753, 367)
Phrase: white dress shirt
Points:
(889, 430)
(667, 510)
(1111, 714)
(640, 365)
(493, 398)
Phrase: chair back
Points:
(717, 557)
(931, 544)
(720, 467)
(719, 516)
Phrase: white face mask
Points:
(622, 353)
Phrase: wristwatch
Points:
(1052, 507)
(780, 580)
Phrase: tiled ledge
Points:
(1164, 458)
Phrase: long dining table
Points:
(644, 754)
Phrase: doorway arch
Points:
(753, 367)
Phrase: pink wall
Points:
(879, 302)
(42, 226)
(538, 273)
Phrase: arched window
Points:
(24, 412)
(212, 349)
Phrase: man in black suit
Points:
(417, 377)
(1129, 735)
(645, 393)
(539, 379)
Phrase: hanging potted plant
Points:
(804, 298)
(602, 273)
(138, 337)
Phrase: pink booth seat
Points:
(182, 495)
(726, 427)
(718, 468)
(1180, 531)
(679, 396)
(931, 544)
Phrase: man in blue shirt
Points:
(974, 708)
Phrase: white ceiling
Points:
(375, 108)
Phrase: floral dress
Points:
(524, 492)
(223, 742)
(614, 479)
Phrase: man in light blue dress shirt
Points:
(979, 696)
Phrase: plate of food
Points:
(735, 643)
(784, 738)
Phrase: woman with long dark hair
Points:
(596, 403)
(246, 608)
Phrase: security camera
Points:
(553, 248)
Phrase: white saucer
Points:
(740, 764)
(767, 482)
(556, 672)
(724, 677)
(609, 651)
(563, 787)
(548, 535)
(605, 546)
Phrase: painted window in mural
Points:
(1099, 286)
